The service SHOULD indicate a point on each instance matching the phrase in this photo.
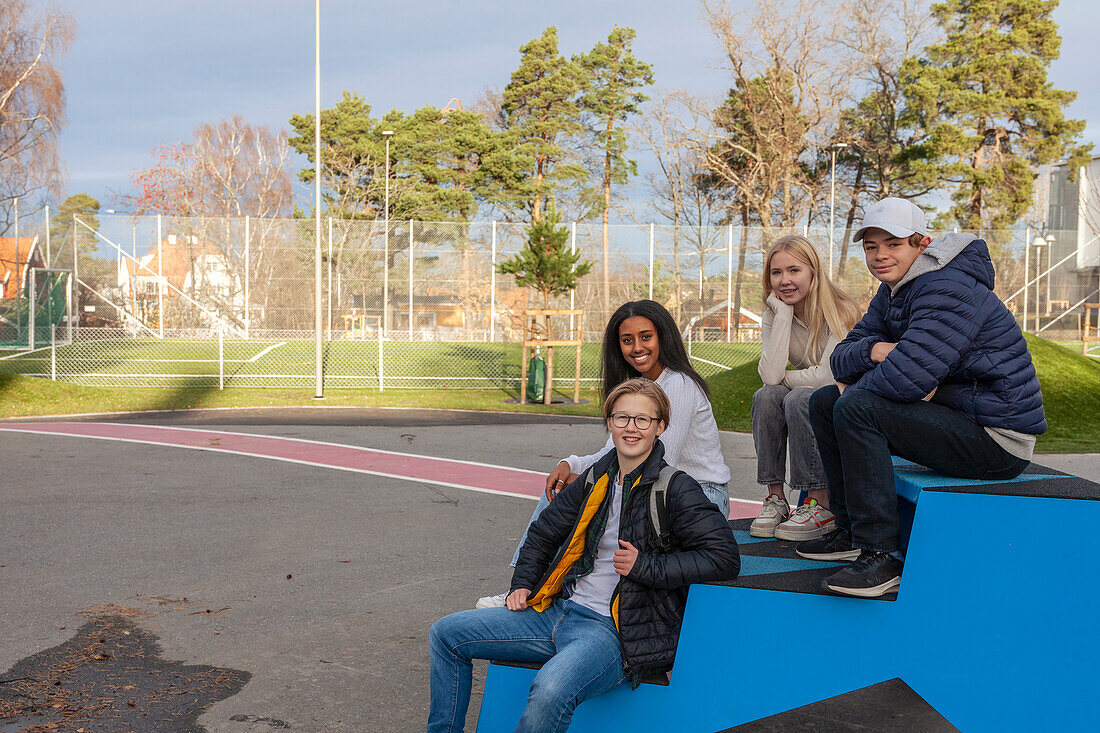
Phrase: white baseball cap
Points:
(899, 217)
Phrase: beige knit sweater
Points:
(785, 340)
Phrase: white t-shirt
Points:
(594, 590)
(690, 440)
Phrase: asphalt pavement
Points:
(315, 587)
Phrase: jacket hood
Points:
(952, 249)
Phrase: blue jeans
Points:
(579, 649)
(858, 431)
(781, 416)
(717, 493)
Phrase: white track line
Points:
(713, 363)
(269, 348)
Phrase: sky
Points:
(142, 74)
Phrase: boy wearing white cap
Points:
(937, 372)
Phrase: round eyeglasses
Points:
(621, 420)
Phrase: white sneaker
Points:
(492, 601)
(810, 521)
(772, 514)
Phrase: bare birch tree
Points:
(881, 35)
(32, 102)
(788, 84)
(242, 169)
(678, 196)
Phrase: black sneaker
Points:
(837, 545)
(872, 575)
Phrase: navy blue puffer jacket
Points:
(954, 335)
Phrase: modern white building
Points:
(1073, 228)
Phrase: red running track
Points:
(427, 469)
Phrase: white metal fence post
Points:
(160, 279)
(247, 268)
(729, 283)
(380, 359)
(48, 261)
(30, 300)
(493, 286)
(328, 294)
(69, 308)
(411, 280)
(651, 227)
(74, 325)
(53, 351)
(573, 292)
(1027, 267)
(221, 356)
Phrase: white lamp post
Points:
(832, 198)
(1050, 255)
(1039, 243)
(318, 356)
(386, 259)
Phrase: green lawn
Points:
(1070, 382)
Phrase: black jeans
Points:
(858, 431)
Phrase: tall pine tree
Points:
(541, 116)
(983, 96)
(613, 93)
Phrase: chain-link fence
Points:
(168, 301)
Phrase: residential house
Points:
(181, 264)
(17, 256)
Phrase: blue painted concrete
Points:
(744, 538)
(760, 565)
(992, 626)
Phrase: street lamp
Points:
(318, 354)
(832, 198)
(1050, 256)
(1040, 242)
(386, 260)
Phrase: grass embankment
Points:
(1071, 397)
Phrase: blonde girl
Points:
(805, 317)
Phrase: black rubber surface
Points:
(1069, 487)
(806, 580)
(889, 707)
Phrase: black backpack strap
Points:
(658, 507)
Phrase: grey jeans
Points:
(781, 415)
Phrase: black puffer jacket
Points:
(648, 604)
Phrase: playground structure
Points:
(1090, 327)
(539, 332)
(358, 325)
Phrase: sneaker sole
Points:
(842, 555)
(874, 592)
(757, 532)
(799, 535)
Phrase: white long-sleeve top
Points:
(785, 339)
(691, 439)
